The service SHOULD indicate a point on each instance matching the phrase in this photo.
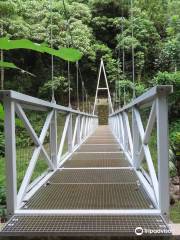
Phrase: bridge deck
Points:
(98, 176)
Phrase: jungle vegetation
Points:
(98, 29)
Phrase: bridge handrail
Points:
(29, 101)
(146, 97)
(16, 104)
(133, 137)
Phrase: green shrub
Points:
(2, 196)
(2, 144)
(175, 134)
(171, 78)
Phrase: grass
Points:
(175, 212)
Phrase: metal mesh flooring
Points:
(99, 148)
(98, 156)
(104, 163)
(73, 188)
(100, 141)
(102, 136)
(90, 196)
(82, 225)
(94, 176)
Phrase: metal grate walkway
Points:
(96, 177)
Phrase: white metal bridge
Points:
(99, 180)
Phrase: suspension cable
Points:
(86, 102)
(77, 83)
(89, 107)
(84, 93)
(52, 57)
(69, 85)
(69, 32)
(116, 94)
(119, 86)
(133, 59)
(82, 87)
(123, 55)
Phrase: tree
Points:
(106, 21)
(145, 41)
(7, 11)
(157, 12)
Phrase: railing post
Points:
(53, 139)
(117, 127)
(125, 132)
(70, 147)
(88, 126)
(10, 154)
(85, 127)
(79, 130)
(163, 154)
(136, 139)
(82, 127)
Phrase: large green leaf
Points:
(7, 44)
(7, 65)
(25, 44)
(4, 43)
(13, 66)
(68, 54)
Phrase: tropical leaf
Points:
(13, 66)
(70, 54)
(7, 65)
(25, 44)
(4, 44)
(7, 44)
(67, 54)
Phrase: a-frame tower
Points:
(98, 88)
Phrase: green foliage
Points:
(59, 84)
(7, 8)
(168, 58)
(2, 144)
(172, 78)
(166, 78)
(96, 32)
(7, 65)
(106, 21)
(2, 197)
(140, 88)
(1, 113)
(68, 54)
(175, 134)
(93, 23)
(174, 212)
(157, 12)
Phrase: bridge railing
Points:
(133, 132)
(51, 133)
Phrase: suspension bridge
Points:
(100, 180)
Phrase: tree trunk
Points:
(2, 59)
(2, 71)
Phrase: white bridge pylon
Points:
(102, 68)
